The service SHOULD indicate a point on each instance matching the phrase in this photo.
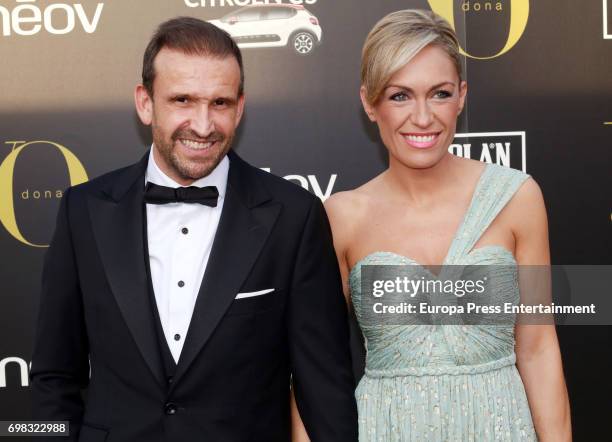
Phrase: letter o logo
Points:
(518, 22)
(76, 173)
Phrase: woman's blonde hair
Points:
(396, 39)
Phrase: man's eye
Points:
(220, 102)
(400, 96)
(181, 99)
(443, 94)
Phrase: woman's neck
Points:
(419, 187)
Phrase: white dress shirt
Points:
(180, 238)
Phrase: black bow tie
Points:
(155, 194)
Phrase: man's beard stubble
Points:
(191, 170)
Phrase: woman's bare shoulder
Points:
(345, 202)
(348, 209)
(530, 193)
(526, 203)
(527, 208)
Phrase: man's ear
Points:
(144, 104)
(367, 107)
(240, 110)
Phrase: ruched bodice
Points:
(447, 382)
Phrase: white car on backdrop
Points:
(264, 26)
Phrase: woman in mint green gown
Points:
(443, 382)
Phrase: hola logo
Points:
(58, 18)
(519, 14)
(76, 172)
(606, 21)
(507, 149)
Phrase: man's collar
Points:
(217, 177)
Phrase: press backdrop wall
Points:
(540, 94)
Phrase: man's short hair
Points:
(192, 37)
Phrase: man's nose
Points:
(201, 122)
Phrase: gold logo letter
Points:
(76, 173)
(518, 22)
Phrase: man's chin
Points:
(193, 165)
(195, 171)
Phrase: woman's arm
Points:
(298, 431)
(339, 208)
(537, 348)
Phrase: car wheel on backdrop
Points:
(303, 42)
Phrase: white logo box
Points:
(606, 30)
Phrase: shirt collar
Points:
(217, 177)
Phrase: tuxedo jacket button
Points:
(170, 408)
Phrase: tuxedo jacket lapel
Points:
(118, 227)
(246, 221)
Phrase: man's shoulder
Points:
(106, 182)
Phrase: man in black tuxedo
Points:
(186, 290)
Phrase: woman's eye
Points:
(400, 96)
(443, 94)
